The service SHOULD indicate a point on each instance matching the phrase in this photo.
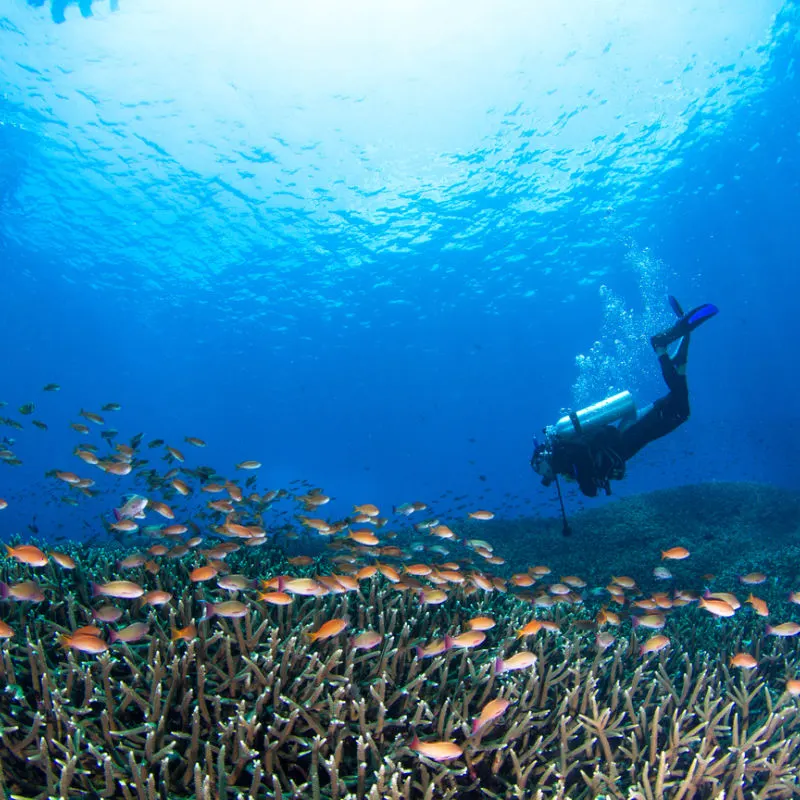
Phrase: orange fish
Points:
(437, 751)
(63, 560)
(185, 634)
(481, 623)
(654, 621)
(364, 537)
(275, 598)
(156, 597)
(675, 553)
(744, 660)
(521, 660)
(83, 642)
(530, 629)
(27, 554)
(175, 453)
(3, 503)
(491, 711)
(199, 574)
(180, 487)
(434, 648)
(753, 578)
(332, 627)
(248, 465)
(793, 686)
(127, 590)
(193, 440)
(759, 605)
(465, 640)
(231, 609)
(482, 515)
(784, 629)
(163, 509)
(367, 509)
(366, 640)
(6, 631)
(654, 644)
(719, 608)
(24, 592)
(131, 633)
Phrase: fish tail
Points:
(208, 611)
(4, 590)
(63, 640)
(96, 590)
(420, 652)
(448, 642)
(117, 515)
(499, 667)
(769, 629)
(476, 724)
(113, 636)
(175, 635)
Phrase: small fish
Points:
(200, 574)
(96, 418)
(491, 711)
(231, 609)
(675, 553)
(530, 629)
(83, 642)
(107, 613)
(759, 605)
(156, 597)
(163, 509)
(364, 537)
(134, 507)
(27, 554)
(604, 640)
(654, 644)
(521, 660)
(127, 590)
(42, 426)
(752, 578)
(653, 621)
(51, 387)
(131, 633)
(743, 660)
(6, 631)
(63, 560)
(481, 623)
(275, 598)
(24, 592)
(111, 407)
(27, 408)
(662, 573)
(437, 751)
(366, 640)
(466, 640)
(719, 608)
(481, 515)
(793, 687)
(184, 634)
(193, 440)
(248, 465)
(784, 629)
(327, 630)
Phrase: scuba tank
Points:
(605, 412)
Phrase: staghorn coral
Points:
(252, 709)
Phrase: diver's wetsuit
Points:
(594, 459)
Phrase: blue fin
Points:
(676, 306)
(700, 315)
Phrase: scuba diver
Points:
(587, 447)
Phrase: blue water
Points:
(379, 246)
